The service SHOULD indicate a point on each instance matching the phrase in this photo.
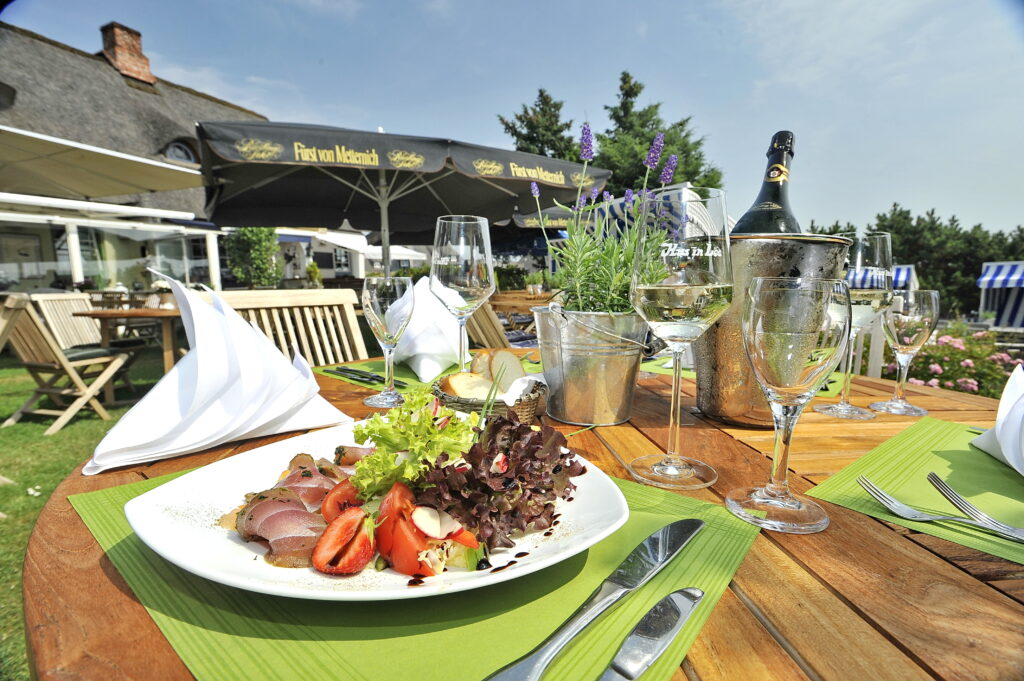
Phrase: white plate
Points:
(178, 520)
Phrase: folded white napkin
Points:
(233, 384)
(519, 387)
(1006, 441)
(430, 343)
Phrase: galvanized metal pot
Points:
(591, 361)
(726, 387)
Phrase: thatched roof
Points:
(64, 92)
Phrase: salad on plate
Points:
(427, 491)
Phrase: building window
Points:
(181, 150)
(341, 260)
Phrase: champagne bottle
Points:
(771, 213)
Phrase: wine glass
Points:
(682, 283)
(794, 331)
(908, 324)
(461, 271)
(869, 275)
(387, 308)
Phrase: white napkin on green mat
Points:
(1006, 441)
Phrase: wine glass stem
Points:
(389, 368)
(785, 417)
(463, 343)
(675, 430)
(848, 367)
(903, 359)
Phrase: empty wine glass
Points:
(387, 308)
(908, 324)
(682, 283)
(869, 275)
(461, 271)
(794, 332)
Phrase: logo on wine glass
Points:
(673, 250)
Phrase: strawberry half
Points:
(346, 546)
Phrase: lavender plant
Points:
(595, 262)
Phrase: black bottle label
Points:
(777, 173)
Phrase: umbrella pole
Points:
(385, 235)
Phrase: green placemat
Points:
(404, 373)
(899, 466)
(225, 633)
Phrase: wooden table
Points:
(167, 317)
(861, 600)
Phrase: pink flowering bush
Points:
(967, 362)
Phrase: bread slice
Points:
(482, 364)
(506, 367)
(468, 384)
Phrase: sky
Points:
(916, 102)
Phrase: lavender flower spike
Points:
(534, 190)
(593, 194)
(627, 198)
(606, 196)
(580, 202)
(586, 143)
(669, 170)
(654, 153)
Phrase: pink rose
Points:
(890, 367)
(949, 384)
(967, 363)
(944, 340)
(979, 334)
(958, 344)
(915, 381)
(968, 384)
(935, 368)
(933, 383)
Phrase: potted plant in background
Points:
(535, 283)
(590, 336)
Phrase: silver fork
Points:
(904, 511)
(971, 510)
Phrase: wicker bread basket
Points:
(525, 407)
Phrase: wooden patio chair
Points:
(72, 379)
(485, 329)
(321, 323)
(8, 315)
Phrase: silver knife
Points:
(645, 561)
(652, 634)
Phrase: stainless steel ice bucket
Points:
(591, 361)
(726, 387)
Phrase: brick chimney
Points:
(122, 46)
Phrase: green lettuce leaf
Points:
(408, 441)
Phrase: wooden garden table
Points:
(862, 600)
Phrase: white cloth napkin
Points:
(1006, 441)
(233, 384)
(519, 387)
(430, 343)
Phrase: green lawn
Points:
(34, 461)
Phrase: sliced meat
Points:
(306, 480)
(347, 455)
(280, 517)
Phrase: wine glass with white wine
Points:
(908, 324)
(461, 270)
(869, 274)
(682, 283)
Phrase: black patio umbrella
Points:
(294, 175)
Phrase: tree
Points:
(539, 129)
(623, 147)
(251, 255)
(946, 256)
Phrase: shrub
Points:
(251, 255)
(510, 277)
(959, 360)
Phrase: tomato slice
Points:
(405, 550)
(341, 496)
(396, 504)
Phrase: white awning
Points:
(397, 253)
(31, 163)
(353, 241)
(1002, 275)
